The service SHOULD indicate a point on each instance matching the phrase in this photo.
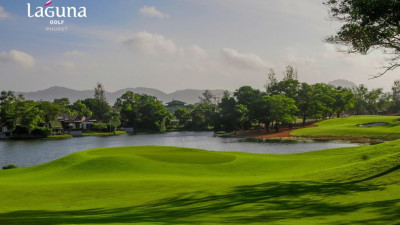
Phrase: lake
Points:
(35, 152)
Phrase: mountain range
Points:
(189, 96)
(343, 83)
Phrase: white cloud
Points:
(295, 60)
(17, 57)
(73, 54)
(153, 12)
(3, 13)
(243, 60)
(67, 65)
(151, 43)
(197, 51)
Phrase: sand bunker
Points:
(378, 124)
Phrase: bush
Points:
(19, 130)
(9, 166)
(42, 131)
(100, 127)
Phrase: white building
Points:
(3, 129)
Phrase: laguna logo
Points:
(48, 3)
(48, 11)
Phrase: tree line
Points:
(36, 117)
(282, 103)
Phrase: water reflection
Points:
(34, 152)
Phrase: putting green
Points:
(171, 154)
(350, 127)
(168, 185)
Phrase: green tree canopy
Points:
(8, 110)
(282, 110)
(183, 115)
(252, 99)
(80, 109)
(31, 115)
(232, 115)
(63, 102)
(141, 111)
(368, 25)
(50, 111)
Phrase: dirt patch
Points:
(285, 133)
(262, 133)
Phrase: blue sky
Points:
(175, 44)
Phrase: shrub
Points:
(100, 127)
(42, 131)
(9, 166)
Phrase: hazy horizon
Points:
(175, 45)
(123, 88)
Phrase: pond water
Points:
(378, 124)
(35, 152)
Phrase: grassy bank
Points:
(349, 128)
(63, 136)
(169, 185)
(103, 134)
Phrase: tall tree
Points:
(115, 121)
(306, 102)
(128, 105)
(344, 100)
(290, 73)
(102, 109)
(50, 111)
(396, 95)
(240, 116)
(31, 115)
(232, 115)
(183, 115)
(368, 25)
(202, 116)
(288, 87)
(272, 80)
(8, 110)
(207, 97)
(79, 109)
(142, 112)
(324, 100)
(252, 99)
(360, 102)
(385, 103)
(372, 99)
(282, 110)
(152, 113)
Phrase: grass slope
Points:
(170, 185)
(348, 127)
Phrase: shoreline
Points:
(285, 135)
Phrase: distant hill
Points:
(189, 96)
(343, 83)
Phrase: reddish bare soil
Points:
(283, 133)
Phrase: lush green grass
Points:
(348, 127)
(103, 134)
(62, 136)
(169, 185)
